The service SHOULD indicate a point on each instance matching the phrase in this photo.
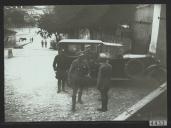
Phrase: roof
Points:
(83, 41)
(131, 56)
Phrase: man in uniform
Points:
(60, 66)
(103, 80)
(78, 77)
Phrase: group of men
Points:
(81, 72)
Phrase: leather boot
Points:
(73, 103)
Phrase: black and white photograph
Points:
(85, 63)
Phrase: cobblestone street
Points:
(31, 90)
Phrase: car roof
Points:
(80, 41)
(135, 56)
(112, 44)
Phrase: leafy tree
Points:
(70, 19)
(47, 26)
(13, 16)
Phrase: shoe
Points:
(101, 110)
(64, 90)
(99, 99)
(58, 91)
(80, 101)
(73, 109)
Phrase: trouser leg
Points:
(63, 85)
(74, 98)
(104, 99)
(59, 85)
(80, 95)
(64, 81)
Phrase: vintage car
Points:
(125, 65)
(74, 47)
(53, 45)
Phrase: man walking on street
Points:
(32, 39)
(60, 66)
(103, 80)
(42, 42)
(45, 43)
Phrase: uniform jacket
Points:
(60, 63)
(77, 72)
(104, 76)
(60, 66)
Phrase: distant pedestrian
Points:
(45, 43)
(32, 39)
(103, 80)
(42, 42)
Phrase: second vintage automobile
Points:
(126, 66)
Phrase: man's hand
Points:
(55, 69)
(69, 81)
(88, 75)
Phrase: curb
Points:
(140, 104)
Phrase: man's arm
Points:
(71, 69)
(54, 63)
(98, 77)
(110, 71)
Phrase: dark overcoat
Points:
(60, 66)
(104, 76)
(77, 75)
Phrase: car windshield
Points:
(74, 47)
(77, 49)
